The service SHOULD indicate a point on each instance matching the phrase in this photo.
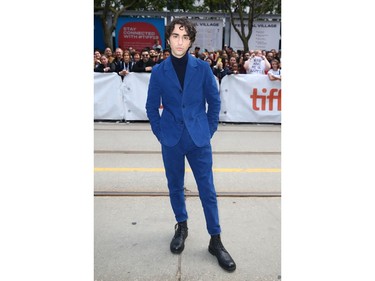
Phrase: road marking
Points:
(187, 194)
(216, 170)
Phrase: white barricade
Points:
(108, 104)
(250, 98)
(134, 90)
(244, 98)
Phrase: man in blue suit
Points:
(187, 89)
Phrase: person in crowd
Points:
(246, 56)
(145, 64)
(166, 54)
(151, 52)
(211, 56)
(97, 56)
(205, 54)
(127, 51)
(185, 130)
(243, 58)
(229, 51)
(278, 56)
(136, 57)
(220, 69)
(270, 56)
(154, 55)
(127, 65)
(235, 69)
(109, 54)
(196, 51)
(210, 63)
(224, 55)
(275, 54)
(239, 57)
(218, 54)
(232, 60)
(132, 51)
(118, 61)
(257, 64)
(105, 65)
(157, 47)
(275, 72)
(202, 56)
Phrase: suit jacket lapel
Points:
(171, 73)
(190, 70)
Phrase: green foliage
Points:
(245, 10)
(214, 6)
(146, 5)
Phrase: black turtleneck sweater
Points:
(179, 65)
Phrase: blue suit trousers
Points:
(200, 161)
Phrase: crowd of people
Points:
(222, 62)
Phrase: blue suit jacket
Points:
(183, 106)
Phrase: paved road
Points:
(134, 222)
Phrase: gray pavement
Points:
(132, 233)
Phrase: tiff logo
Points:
(275, 94)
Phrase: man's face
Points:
(179, 41)
(145, 56)
(270, 56)
(108, 52)
(119, 54)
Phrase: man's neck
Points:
(180, 65)
(184, 58)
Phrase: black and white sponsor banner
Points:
(209, 34)
(265, 36)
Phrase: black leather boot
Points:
(217, 249)
(178, 241)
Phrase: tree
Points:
(111, 9)
(180, 5)
(212, 6)
(247, 11)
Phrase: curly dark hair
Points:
(188, 25)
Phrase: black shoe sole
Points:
(180, 250)
(177, 251)
(221, 265)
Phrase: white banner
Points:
(250, 98)
(107, 97)
(265, 36)
(209, 34)
(134, 89)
